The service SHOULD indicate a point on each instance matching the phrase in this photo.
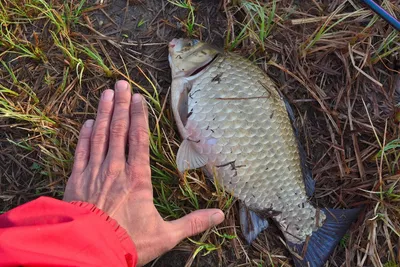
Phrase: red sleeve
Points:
(50, 232)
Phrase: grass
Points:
(261, 18)
(328, 59)
(388, 46)
(190, 22)
(210, 247)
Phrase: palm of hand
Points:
(122, 187)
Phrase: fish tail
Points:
(320, 245)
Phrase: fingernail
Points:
(89, 123)
(108, 95)
(136, 98)
(217, 218)
(121, 85)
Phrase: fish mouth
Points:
(197, 71)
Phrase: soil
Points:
(161, 24)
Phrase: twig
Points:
(360, 70)
(338, 16)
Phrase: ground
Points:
(336, 62)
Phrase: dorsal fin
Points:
(309, 182)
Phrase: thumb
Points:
(196, 222)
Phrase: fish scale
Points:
(252, 130)
(234, 122)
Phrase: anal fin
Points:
(188, 157)
(250, 223)
(316, 251)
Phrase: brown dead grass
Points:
(342, 84)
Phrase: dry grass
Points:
(336, 62)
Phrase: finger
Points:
(82, 151)
(120, 121)
(139, 133)
(195, 223)
(99, 140)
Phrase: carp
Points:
(237, 126)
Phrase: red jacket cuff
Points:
(120, 232)
(49, 232)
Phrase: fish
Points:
(237, 126)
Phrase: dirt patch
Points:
(152, 24)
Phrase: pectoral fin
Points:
(188, 158)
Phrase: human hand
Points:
(120, 186)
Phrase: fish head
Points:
(188, 57)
